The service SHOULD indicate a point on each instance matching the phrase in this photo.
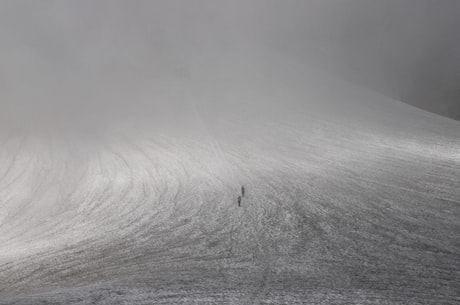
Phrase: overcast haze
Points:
(62, 59)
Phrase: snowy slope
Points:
(346, 203)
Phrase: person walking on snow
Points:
(242, 190)
(239, 201)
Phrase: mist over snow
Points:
(129, 129)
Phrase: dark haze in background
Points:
(80, 59)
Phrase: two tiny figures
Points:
(240, 198)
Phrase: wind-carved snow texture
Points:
(334, 213)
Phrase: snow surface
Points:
(354, 203)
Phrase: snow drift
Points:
(348, 200)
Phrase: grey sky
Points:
(88, 56)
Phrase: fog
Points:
(85, 63)
(229, 152)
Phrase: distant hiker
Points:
(242, 191)
(239, 201)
